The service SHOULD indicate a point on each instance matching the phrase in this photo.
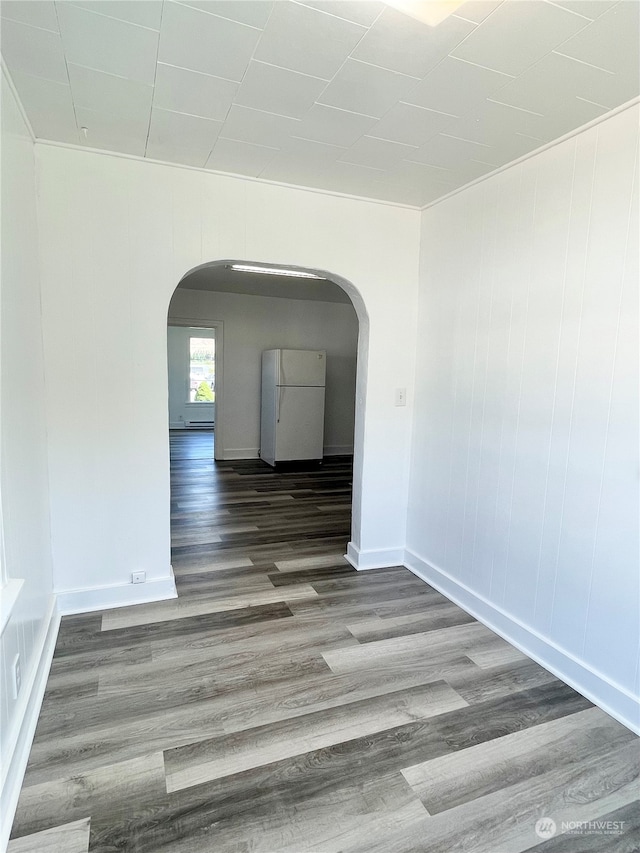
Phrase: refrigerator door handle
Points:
(278, 404)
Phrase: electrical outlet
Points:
(138, 577)
(16, 672)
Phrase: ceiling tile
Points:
(184, 91)
(468, 171)
(417, 184)
(243, 158)
(447, 152)
(302, 161)
(181, 138)
(589, 8)
(37, 13)
(134, 124)
(33, 51)
(310, 151)
(455, 86)
(383, 192)
(96, 90)
(518, 34)
(277, 90)
(573, 114)
(253, 12)
(125, 134)
(552, 85)
(509, 148)
(411, 125)
(511, 133)
(257, 127)
(615, 89)
(477, 10)
(348, 178)
(366, 89)
(601, 43)
(287, 170)
(329, 175)
(145, 13)
(306, 40)
(402, 44)
(359, 11)
(346, 95)
(196, 40)
(332, 126)
(107, 44)
(377, 153)
(491, 123)
(49, 107)
(431, 194)
(421, 172)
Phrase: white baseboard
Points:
(382, 559)
(229, 455)
(184, 425)
(26, 716)
(614, 699)
(240, 453)
(119, 595)
(28, 708)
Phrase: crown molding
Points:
(248, 178)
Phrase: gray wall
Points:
(256, 323)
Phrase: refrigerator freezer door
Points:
(299, 423)
(268, 423)
(302, 367)
(271, 367)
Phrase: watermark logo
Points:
(593, 827)
(546, 827)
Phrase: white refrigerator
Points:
(292, 405)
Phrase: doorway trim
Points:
(354, 554)
(218, 326)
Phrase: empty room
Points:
(319, 426)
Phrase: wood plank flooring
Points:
(286, 703)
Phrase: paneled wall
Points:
(524, 490)
(24, 477)
(255, 323)
(117, 235)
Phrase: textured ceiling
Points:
(341, 95)
(219, 278)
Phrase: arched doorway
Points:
(269, 283)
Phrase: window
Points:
(202, 370)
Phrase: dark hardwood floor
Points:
(287, 703)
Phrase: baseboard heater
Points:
(199, 424)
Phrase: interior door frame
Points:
(218, 327)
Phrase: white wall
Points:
(117, 235)
(524, 490)
(255, 323)
(181, 409)
(23, 458)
